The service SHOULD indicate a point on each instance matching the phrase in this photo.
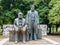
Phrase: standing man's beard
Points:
(32, 10)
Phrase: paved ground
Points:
(3, 41)
(29, 42)
(54, 37)
(46, 40)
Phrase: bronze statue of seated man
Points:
(19, 25)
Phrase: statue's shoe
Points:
(16, 42)
(35, 39)
(24, 42)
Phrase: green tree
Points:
(9, 16)
(54, 13)
(24, 5)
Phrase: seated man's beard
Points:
(20, 18)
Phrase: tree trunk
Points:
(50, 29)
(57, 27)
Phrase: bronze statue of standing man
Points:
(32, 20)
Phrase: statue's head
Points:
(32, 8)
(20, 15)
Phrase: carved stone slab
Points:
(6, 29)
(44, 29)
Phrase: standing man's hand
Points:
(38, 26)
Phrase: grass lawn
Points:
(53, 30)
(2, 37)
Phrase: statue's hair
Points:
(20, 13)
(32, 5)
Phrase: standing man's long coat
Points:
(32, 16)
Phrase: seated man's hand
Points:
(15, 28)
(24, 28)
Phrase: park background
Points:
(49, 12)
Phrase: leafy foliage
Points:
(10, 8)
(54, 13)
